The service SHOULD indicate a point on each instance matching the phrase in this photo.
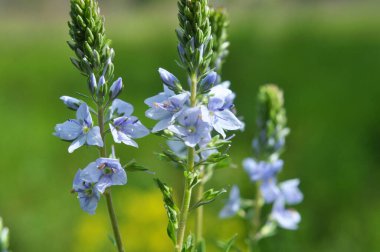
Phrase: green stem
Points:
(256, 220)
(199, 214)
(190, 169)
(107, 194)
(185, 203)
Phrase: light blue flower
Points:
(88, 194)
(262, 170)
(71, 102)
(269, 190)
(165, 107)
(191, 127)
(116, 88)
(120, 108)
(285, 218)
(105, 172)
(124, 129)
(80, 131)
(291, 192)
(220, 104)
(233, 204)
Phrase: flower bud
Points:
(116, 88)
(169, 80)
(208, 81)
(92, 83)
(70, 102)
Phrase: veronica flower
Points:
(233, 204)
(165, 107)
(80, 131)
(105, 172)
(192, 127)
(269, 190)
(220, 104)
(120, 108)
(290, 191)
(285, 218)
(262, 170)
(88, 195)
(123, 129)
(71, 102)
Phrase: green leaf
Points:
(133, 166)
(228, 245)
(171, 210)
(208, 197)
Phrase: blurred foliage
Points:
(325, 59)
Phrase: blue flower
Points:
(120, 108)
(116, 88)
(165, 107)
(71, 103)
(291, 192)
(88, 195)
(192, 127)
(285, 218)
(262, 170)
(220, 104)
(233, 204)
(105, 172)
(125, 128)
(269, 190)
(80, 131)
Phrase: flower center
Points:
(86, 129)
(191, 129)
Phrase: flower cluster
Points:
(124, 127)
(264, 168)
(287, 192)
(193, 125)
(93, 180)
(94, 59)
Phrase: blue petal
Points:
(68, 130)
(77, 143)
(94, 137)
(291, 192)
(233, 204)
(104, 183)
(91, 173)
(119, 178)
(227, 120)
(121, 108)
(269, 190)
(89, 204)
(77, 183)
(83, 115)
(162, 125)
(286, 218)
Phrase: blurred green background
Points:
(324, 54)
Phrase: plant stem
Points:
(256, 222)
(199, 214)
(107, 194)
(185, 203)
(190, 169)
